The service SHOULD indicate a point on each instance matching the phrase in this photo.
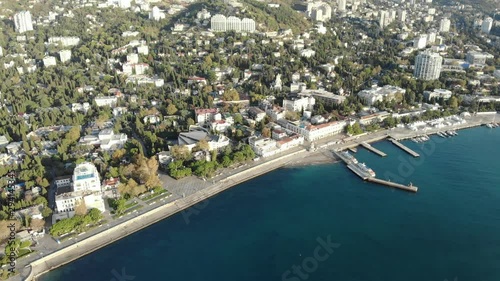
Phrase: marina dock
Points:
(393, 184)
(408, 150)
(351, 165)
(373, 149)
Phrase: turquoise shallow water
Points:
(449, 230)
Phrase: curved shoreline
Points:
(108, 236)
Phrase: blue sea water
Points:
(272, 225)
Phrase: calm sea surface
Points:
(269, 228)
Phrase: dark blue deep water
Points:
(259, 230)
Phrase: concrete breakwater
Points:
(106, 237)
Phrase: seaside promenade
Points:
(34, 266)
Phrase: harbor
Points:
(404, 148)
(367, 174)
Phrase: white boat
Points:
(349, 157)
(440, 134)
(415, 140)
(489, 125)
(365, 169)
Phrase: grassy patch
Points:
(153, 195)
(160, 196)
(128, 211)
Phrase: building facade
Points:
(23, 22)
(428, 66)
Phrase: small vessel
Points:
(426, 137)
(365, 169)
(440, 134)
(450, 133)
(489, 125)
(415, 140)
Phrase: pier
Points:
(408, 150)
(393, 184)
(373, 149)
(369, 178)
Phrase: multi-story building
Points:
(444, 25)
(315, 132)
(478, 58)
(65, 55)
(437, 94)
(402, 15)
(247, 25)
(204, 115)
(106, 101)
(65, 41)
(325, 96)
(86, 178)
(49, 61)
(233, 23)
(431, 37)
(387, 93)
(218, 23)
(487, 25)
(341, 5)
(319, 11)
(23, 22)
(156, 14)
(298, 104)
(420, 42)
(203, 14)
(428, 66)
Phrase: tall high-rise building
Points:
(428, 66)
(247, 25)
(384, 15)
(444, 25)
(342, 5)
(22, 21)
(402, 15)
(233, 23)
(487, 25)
(218, 23)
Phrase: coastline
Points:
(106, 237)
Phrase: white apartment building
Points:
(298, 104)
(106, 101)
(315, 132)
(402, 15)
(487, 25)
(49, 61)
(247, 25)
(110, 141)
(156, 14)
(420, 42)
(143, 50)
(341, 4)
(477, 58)
(65, 55)
(319, 11)
(233, 23)
(133, 58)
(23, 22)
(431, 37)
(428, 66)
(388, 93)
(86, 178)
(444, 25)
(65, 41)
(437, 94)
(218, 23)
